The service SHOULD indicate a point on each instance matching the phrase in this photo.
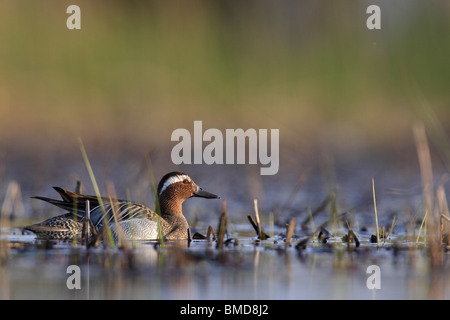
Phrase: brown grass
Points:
(426, 171)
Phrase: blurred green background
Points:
(137, 70)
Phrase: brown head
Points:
(174, 188)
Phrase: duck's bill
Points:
(205, 194)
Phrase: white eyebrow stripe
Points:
(174, 179)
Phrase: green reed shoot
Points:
(313, 227)
(97, 191)
(390, 231)
(421, 226)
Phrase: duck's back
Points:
(101, 211)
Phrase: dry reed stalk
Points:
(11, 204)
(255, 226)
(87, 221)
(426, 171)
(443, 209)
(75, 217)
(6, 211)
(189, 237)
(253, 223)
(78, 187)
(13, 200)
(376, 213)
(445, 237)
(85, 229)
(210, 235)
(5, 216)
(83, 233)
(258, 221)
(88, 228)
(258, 227)
(290, 231)
(222, 225)
(4, 224)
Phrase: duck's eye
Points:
(185, 181)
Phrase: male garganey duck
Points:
(136, 221)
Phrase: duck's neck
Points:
(169, 207)
(173, 217)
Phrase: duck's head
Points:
(179, 186)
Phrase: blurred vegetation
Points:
(137, 70)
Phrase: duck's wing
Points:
(102, 210)
(71, 201)
(121, 210)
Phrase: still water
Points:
(246, 269)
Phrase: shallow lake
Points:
(248, 269)
(244, 268)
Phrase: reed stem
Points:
(375, 209)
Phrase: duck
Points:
(135, 221)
